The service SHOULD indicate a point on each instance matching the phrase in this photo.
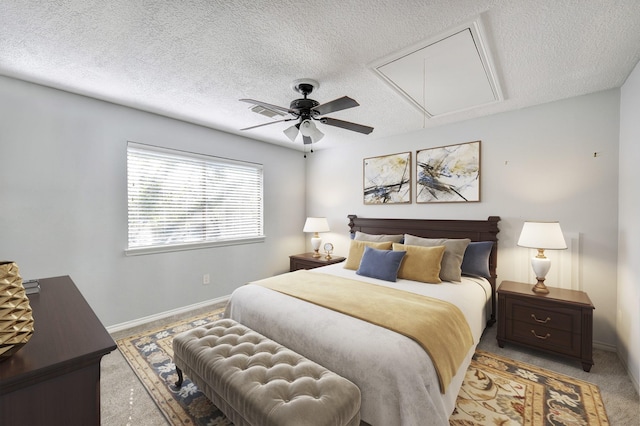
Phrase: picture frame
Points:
(387, 179)
(448, 174)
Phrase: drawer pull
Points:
(541, 337)
(544, 321)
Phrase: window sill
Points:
(191, 246)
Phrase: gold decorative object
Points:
(328, 249)
(16, 319)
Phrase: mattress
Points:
(396, 377)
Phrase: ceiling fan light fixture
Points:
(307, 128)
(292, 133)
(304, 110)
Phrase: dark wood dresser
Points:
(307, 261)
(560, 322)
(55, 378)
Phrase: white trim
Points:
(605, 347)
(175, 151)
(612, 348)
(192, 246)
(477, 30)
(144, 320)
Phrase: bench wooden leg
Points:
(180, 378)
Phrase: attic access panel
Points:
(447, 74)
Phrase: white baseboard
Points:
(605, 346)
(162, 315)
(612, 348)
(633, 380)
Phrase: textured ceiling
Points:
(193, 60)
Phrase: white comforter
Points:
(397, 380)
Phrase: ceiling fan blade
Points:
(335, 105)
(347, 125)
(266, 124)
(266, 105)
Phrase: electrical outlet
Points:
(206, 279)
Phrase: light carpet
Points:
(496, 390)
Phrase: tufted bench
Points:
(258, 382)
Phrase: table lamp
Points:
(315, 225)
(541, 236)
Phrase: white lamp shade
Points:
(316, 224)
(307, 128)
(542, 235)
(292, 133)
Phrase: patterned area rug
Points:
(150, 354)
(496, 390)
(501, 391)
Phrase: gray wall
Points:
(629, 227)
(63, 198)
(537, 164)
(63, 203)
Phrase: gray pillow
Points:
(476, 259)
(361, 236)
(451, 266)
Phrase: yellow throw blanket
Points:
(438, 326)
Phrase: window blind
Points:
(177, 198)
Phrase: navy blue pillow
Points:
(476, 259)
(381, 264)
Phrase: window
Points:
(179, 200)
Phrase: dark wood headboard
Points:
(475, 230)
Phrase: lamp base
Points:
(540, 288)
(540, 265)
(315, 244)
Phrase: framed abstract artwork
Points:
(448, 174)
(387, 179)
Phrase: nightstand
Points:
(560, 322)
(307, 261)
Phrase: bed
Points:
(397, 378)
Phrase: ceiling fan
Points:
(306, 111)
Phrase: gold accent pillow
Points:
(357, 249)
(451, 268)
(420, 263)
